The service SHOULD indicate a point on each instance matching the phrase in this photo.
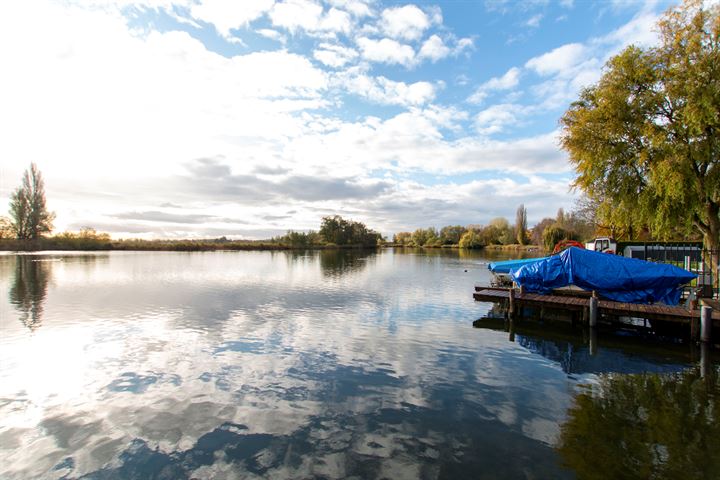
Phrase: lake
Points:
(324, 364)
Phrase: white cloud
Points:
(558, 60)
(388, 92)
(573, 66)
(229, 15)
(407, 22)
(336, 21)
(358, 8)
(496, 118)
(434, 49)
(463, 44)
(387, 50)
(509, 80)
(534, 21)
(308, 15)
(296, 14)
(530, 155)
(272, 35)
(335, 56)
(639, 31)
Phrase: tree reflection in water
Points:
(335, 263)
(29, 289)
(660, 426)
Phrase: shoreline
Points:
(49, 244)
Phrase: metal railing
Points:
(690, 256)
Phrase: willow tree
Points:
(645, 140)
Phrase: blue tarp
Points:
(507, 265)
(612, 276)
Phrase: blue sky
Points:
(197, 118)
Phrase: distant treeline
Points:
(499, 232)
(335, 232)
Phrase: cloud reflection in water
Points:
(213, 365)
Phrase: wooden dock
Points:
(579, 305)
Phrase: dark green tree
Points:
(451, 234)
(30, 217)
(339, 231)
(425, 237)
(536, 234)
(645, 140)
(555, 233)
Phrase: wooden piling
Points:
(511, 302)
(705, 361)
(694, 328)
(593, 342)
(593, 312)
(705, 324)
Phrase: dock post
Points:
(694, 328)
(705, 363)
(593, 342)
(705, 324)
(511, 302)
(593, 314)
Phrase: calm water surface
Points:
(323, 365)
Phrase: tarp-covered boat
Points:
(506, 265)
(613, 277)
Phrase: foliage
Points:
(402, 238)
(430, 237)
(521, 225)
(86, 239)
(6, 228)
(338, 231)
(645, 140)
(498, 232)
(536, 234)
(556, 233)
(30, 217)
(425, 237)
(299, 239)
(451, 234)
(472, 238)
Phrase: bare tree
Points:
(30, 217)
